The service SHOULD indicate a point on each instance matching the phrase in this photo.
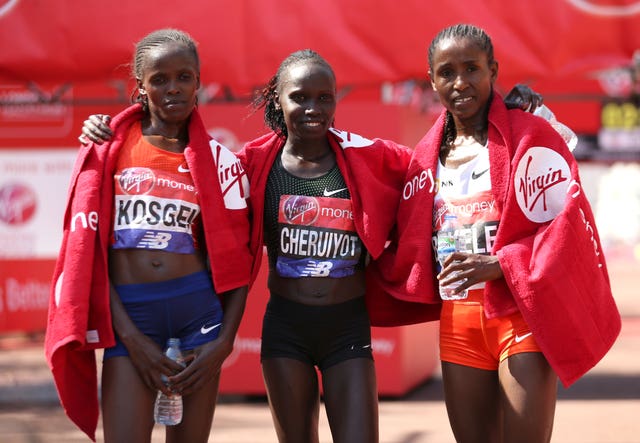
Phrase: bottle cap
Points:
(544, 112)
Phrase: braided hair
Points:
(459, 32)
(267, 96)
(154, 40)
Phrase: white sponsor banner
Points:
(33, 190)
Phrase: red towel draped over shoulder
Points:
(547, 243)
(79, 317)
(373, 171)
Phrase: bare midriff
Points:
(131, 266)
(318, 291)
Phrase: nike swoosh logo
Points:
(204, 330)
(475, 176)
(182, 169)
(519, 338)
(330, 193)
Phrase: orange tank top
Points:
(156, 202)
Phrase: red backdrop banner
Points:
(551, 43)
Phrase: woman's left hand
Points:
(523, 97)
(202, 364)
(475, 268)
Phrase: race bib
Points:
(317, 237)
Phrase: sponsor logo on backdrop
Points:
(6, 6)
(18, 203)
(24, 295)
(541, 181)
(34, 113)
(607, 8)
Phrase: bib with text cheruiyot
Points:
(317, 237)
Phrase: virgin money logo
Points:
(608, 8)
(18, 204)
(225, 137)
(137, 181)
(6, 6)
(541, 182)
(233, 180)
(300, 210)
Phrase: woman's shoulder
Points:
(348, 139)
(127, 116)
(523, 123)
(265, 141)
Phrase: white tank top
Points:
(466, 192)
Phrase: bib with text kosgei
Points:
(156, 201)
(317, 237)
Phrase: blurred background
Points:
(61, 61)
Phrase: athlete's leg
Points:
(294, 399)
(197, 415)
(529, 388)
(472, 400)
(127, 403)
(351, 401)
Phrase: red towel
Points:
(79, 318)
(547, 242)
(374, 171)
(223, 189)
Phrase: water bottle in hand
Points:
(449, 241)
(168, 408)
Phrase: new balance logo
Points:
(317, 269)
(155, 240)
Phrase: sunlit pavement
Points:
(602, 407)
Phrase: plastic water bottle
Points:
(449, 240)
(168, 408)
(570, 137)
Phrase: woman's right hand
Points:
(96, 129)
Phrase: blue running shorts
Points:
(186, 307)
